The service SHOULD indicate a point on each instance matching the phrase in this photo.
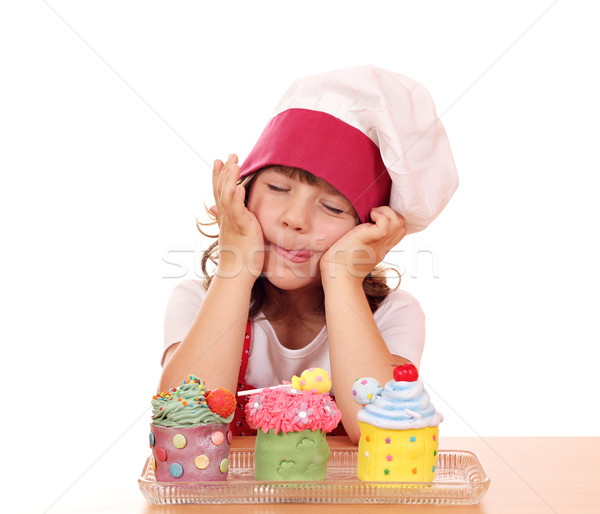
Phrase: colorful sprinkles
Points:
(175, 393)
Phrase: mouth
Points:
(296, 256)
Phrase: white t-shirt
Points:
(399, 318)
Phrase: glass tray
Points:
(459, 480)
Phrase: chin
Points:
(289, 281)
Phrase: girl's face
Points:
(300, 222)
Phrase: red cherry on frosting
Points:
(406, 373)
(221, 401)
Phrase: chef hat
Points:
(372, 134)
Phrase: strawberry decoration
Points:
(221, 401)
(406, 373)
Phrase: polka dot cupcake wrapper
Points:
(190, 454)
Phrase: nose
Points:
(296, 217)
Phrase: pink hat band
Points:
(328, 148)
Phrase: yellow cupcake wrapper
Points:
(397, 455)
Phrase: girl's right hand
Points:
(241, 242)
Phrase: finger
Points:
(232, 159)
(232, 171)
(396, 219)
(220, 173)
(238, 207)
(380, 216)
(217, 168)
(230, 184)
(398, 228)
(224, 187)
(384, 210)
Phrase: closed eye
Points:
(276, 189)
(333, 209)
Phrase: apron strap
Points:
(239, 425)
(245, 353)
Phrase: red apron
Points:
(239, 426)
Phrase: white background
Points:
(110, 115)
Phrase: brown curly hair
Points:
(267, 298)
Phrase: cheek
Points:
(257, 208)
(333, 233)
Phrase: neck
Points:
(303, 303)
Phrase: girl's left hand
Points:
(360, 249)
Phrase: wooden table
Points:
(528, 475)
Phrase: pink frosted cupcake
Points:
(291, 442)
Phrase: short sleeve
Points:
(182, 307)
(401, 322)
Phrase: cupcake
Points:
(398, 428)
(189, 433)
(292, 423)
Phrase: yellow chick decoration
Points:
(315, 380)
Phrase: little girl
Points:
(351, 161)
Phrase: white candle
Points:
(252, 391)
